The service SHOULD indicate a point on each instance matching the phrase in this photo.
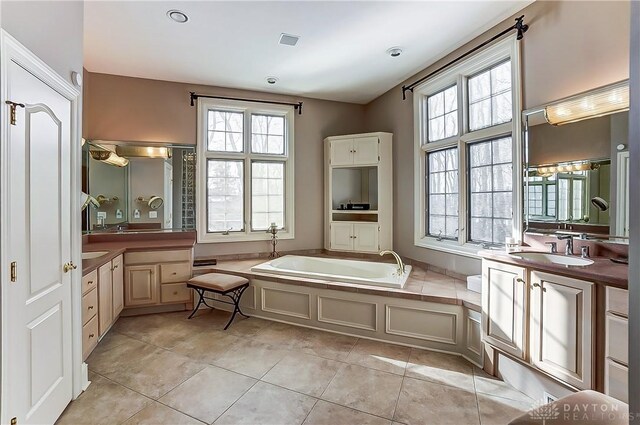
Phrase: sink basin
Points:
(92, 255)
(562, 260)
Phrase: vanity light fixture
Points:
(177, 16)
(603, 101)
(548, 170)
(109, 157)
(143, 151)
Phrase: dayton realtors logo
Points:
(576, 412)
(543, 411)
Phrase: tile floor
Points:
(165, 369)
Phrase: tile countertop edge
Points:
(116, 248)
(338, 286)
(602, 271)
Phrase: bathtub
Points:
(336, 270)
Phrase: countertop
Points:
(603, 270)
(422, 285)
(117, 247)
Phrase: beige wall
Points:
(134, 109)
(50, 29)
(571, 46)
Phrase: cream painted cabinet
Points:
(117, 280)
(141, 285)
(616, 361)
(355, 151)
(105, 298)
(504, 307)
(360, 237)
(562, 327)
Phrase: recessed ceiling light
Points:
(177, 16)
(288, 39)
(272, 80)
(394, 52)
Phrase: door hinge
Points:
(12, 110)
(14, 271)
(14, 421)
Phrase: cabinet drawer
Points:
(89, 305)
(175, 272)
(89, 336)
(618, 301)
(617, 331)
(89, 281)
(151, 257)
(616, 380)
(174, 293)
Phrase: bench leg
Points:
(200, 301)
(235, 297)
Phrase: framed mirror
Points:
(131, 187)
(576, 165)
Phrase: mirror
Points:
(136, 188)
(576, 173)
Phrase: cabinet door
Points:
(365, 237)
(342, 236)
(562, 327)
(365, 151)
(342, 152)
(504, 301)
(140, 285)
(105, 298)
(118, 285)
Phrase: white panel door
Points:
(37, 360)
(504, 301)
(342, 152)
(168, 196)
(365, 151)
(342, 236)
(365, 237)
(117, 279)
(562, 327)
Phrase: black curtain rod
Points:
(520, 26)
(296, 106)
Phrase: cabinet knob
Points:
(175, 292)
(90, 307)
(519, 280)
(90, 282)
(91, 335)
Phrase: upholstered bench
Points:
(584, 407)
(224, 284)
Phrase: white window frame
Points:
(507, 49)
(247, 108)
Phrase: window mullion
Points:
(247, 173)
(463, 213)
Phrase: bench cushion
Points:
(217, 282)
(584, 407)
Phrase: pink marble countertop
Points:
(422, 285)
(603, 270)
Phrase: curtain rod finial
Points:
(521, 27)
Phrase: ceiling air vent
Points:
(288, 39)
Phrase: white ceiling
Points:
(340, 56)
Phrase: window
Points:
(245, 161)
(468, 192)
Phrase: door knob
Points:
(69, 266)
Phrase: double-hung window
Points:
(245, 169)
(468, 193)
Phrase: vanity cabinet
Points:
(562, 326)
(361, 237)
(504, 299)
(157, 278)
(89, 313)
(543, 320)
(616, 361)
(110, 293)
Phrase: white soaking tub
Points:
(336, 270)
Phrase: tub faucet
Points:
(398, 260)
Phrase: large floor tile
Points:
(207, 394)
(500, 411)
(104, 402)
(207, 346)
(325, 413)
(250, 358)
(282, 334)
(424, 402)
(158, 414)
(303, 373)
(157, 373)
(487, 384)
(327, 344)
(365, 389)
(268, 404)
(247, 328)
(107, 359)
(380, 355)
(440, 368)
(162, 330)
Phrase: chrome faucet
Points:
(398, 260)
(569, 248)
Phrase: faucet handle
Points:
(553, 247)
(584, 251)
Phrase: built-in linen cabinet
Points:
(545, 321)
(358, 193)
(616, 361)
(562, 325)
